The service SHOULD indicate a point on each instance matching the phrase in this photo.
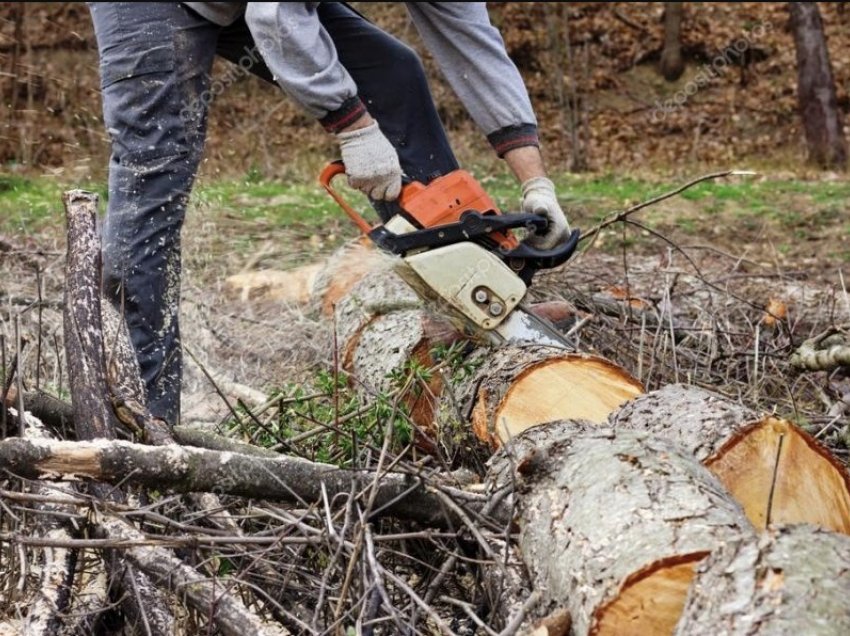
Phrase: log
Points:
(789, 580)
(384, 292)
(779, 473)
(293, 287)
(613, 523)
(186, 469)
(519, 386)
(93, 415)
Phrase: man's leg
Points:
(392, 83)
(155, 60)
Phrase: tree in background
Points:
(672, 64)
(822, 120)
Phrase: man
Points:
(362, 85)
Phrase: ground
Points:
(709, 260)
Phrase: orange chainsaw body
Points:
(442, 202)
(446, 198)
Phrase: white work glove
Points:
(371, 163)
(538, 197)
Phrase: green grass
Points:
(783, 211)
(28, 206)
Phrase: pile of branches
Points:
(247, 542)
(250, 541)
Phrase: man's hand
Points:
(538, 197)
(371, 162)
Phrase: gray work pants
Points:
(155, 63)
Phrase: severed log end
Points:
(294, 286)
(790, 580)
(517, 387)
(623, 567)
(651, 600)
(780, 474)
(774, 469)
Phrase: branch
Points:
(209, 597)
(619, 216)
(824, 352)
(187, 469)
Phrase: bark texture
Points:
(822, 119)
(790, 580)
(614, 527)
(382, 293)
(185, 469)
(93, 415)
(698, 420)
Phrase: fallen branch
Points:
(185, 469)
(622, 215)
(824, 352)
(210, 597)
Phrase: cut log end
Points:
(564, 386)
(649, 602)
(781, 475)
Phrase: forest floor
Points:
(709, 260)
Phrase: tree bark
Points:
(612, 523)
(186, 469)
(790, 580)
(672, 64)
(775, 470)
(822, 120)
(384, 292)
(696, 419)
(93, 415)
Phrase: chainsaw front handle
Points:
(334, 169)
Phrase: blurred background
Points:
(595, 71)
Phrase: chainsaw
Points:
(458, 250)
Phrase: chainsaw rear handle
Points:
(334, 169)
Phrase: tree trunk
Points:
(775, 470)
(672, 64)
(612, 523)
(822, 120)
(791, 580)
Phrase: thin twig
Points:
(622, 215)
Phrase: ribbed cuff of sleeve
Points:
(511, 137)
(351, 110)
